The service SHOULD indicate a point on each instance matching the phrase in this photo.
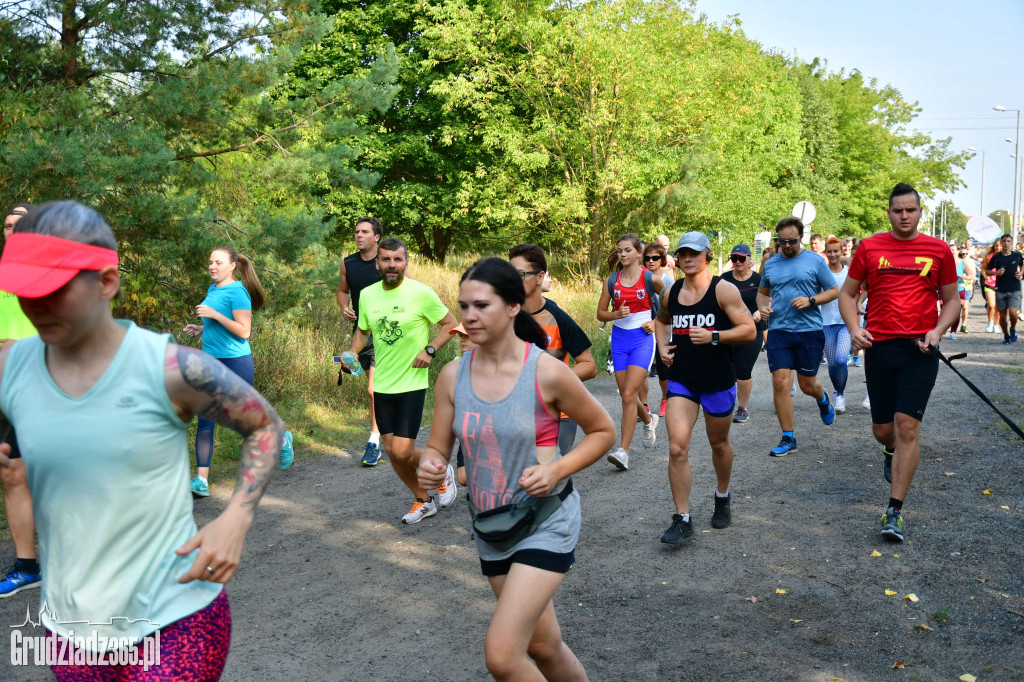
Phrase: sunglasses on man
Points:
(789, 242)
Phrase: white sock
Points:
(374, 438)
(686, 517)
(205, 482)
(718, 494)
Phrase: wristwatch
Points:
(714, 337)
(812, 301)
(431, 351)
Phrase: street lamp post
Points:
(982, 207)
(1015, 221)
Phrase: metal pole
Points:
(982, 182)
(1015, 223)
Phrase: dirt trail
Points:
(333, 587)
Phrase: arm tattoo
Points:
(224, 398)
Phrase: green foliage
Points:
(169, 119)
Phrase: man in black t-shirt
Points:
(1008, 267)
(358, 271)
(565, 338)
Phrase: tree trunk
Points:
(69, 40)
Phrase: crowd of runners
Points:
(515, 401)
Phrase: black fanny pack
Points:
(505, 526)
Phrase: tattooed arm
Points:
(200, 385)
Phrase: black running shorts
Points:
(538, 558)
(399, 414)
(12, 440)
(900, 378)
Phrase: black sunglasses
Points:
(654, 257)
(526, 273)
(735, 258)
(789, 242)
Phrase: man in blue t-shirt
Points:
(793, 286)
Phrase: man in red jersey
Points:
(904, 270)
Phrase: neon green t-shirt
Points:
(13, 323)
(400, 320)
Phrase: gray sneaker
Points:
(650, 437)
(620, 458)
(892, 525)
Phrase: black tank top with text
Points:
(701, 368)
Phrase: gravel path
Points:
(333, 587)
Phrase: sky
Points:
(955, 59)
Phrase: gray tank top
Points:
(499, 440)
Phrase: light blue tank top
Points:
(109, 476)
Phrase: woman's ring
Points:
(209, 570)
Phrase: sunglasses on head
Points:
(789, 242)
(736, 258)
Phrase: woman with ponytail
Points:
(227, 323)
(502, 400)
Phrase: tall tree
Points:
(166, 116)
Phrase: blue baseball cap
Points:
(695, 241)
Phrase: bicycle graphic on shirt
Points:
(388, 331)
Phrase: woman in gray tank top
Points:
(503, 402)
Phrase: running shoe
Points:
(827, 411)
(963, 329)
(420, 510)
(840, 403)
(678, 532)
(1013, 336)
(856, 361)
(16, 581)
(990, 327)
(742, 415)
(1006, 340)
(785, 446)
(619, 458)
(287, 452)
(723, 512)
(887, 464)
(952, 336)
(371, 455)
(639, 419)
(892, 525)
(200, 489)
(867, 403)
(650, 437)
(661, 410)
(447, 491)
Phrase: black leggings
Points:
(745, 356)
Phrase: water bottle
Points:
(352, 362)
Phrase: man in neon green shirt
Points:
(400, 312)
(25, 574)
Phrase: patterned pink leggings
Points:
(193, 649)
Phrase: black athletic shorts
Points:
(538, 558)
(12, 440)
(900, 378)
(366, 356)
(399, 413)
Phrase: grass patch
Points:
(942, 615)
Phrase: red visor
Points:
(36, 265)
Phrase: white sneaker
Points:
(650, 437)
(839, 403)
(619, 458)
(448, 490)
(419, 511)
(990, 327)
(867, 403)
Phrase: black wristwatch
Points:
(714, 337)
(431, 351)
(812, 301)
